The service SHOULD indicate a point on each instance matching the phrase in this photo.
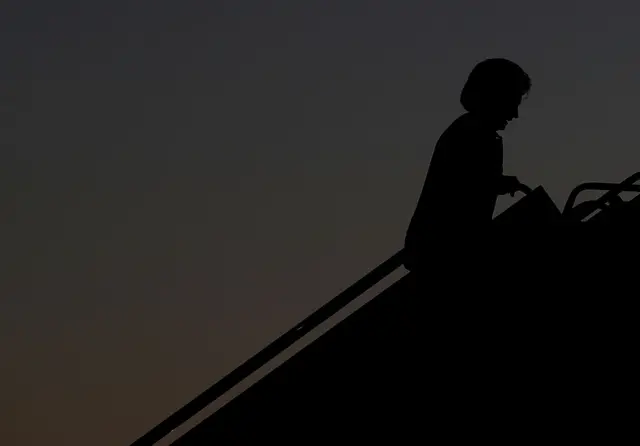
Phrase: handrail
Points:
(612, 189)
(270, 351)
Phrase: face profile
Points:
(494, 90)
(507, 112)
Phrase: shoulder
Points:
(466, 131)
(469, 124)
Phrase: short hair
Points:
(491, 80)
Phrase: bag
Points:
(536, 208)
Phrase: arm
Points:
(509, 185)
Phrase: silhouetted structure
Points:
(489, 337)
(547, 356)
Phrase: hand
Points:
(509, 185)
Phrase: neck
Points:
(486, 120)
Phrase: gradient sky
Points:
(184, 181)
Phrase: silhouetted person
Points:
(465, 174)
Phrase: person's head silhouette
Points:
(494, 89)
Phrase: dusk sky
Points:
(183, 181)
